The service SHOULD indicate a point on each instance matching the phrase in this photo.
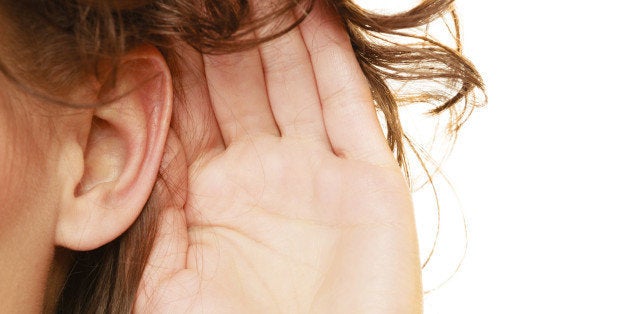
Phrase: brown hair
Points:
(62, 41)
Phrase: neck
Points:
(27, 254)
(61, 265)
(24, 272)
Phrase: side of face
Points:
(28, 185)
(28, 155)
(77, 178)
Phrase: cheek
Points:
(7, 149)
(23, 177)
(12, 167)
(9, 170)
(27, 218)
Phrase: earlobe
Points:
(113, 172)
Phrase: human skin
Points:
(24, 211)
(286, 200)
(75, 178)
(299, 206)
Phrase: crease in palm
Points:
(300, 207)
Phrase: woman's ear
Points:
(110, 175)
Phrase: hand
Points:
(301, 206)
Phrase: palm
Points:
(294, 229)
(282, 224)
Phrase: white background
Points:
(541, 172)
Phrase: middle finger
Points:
(290, 81)
(238, 95)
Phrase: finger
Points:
(290, 82)
(169, 251)
(192, 114)
(238, 95)
(348, 108)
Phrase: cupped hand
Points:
(300, 206)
